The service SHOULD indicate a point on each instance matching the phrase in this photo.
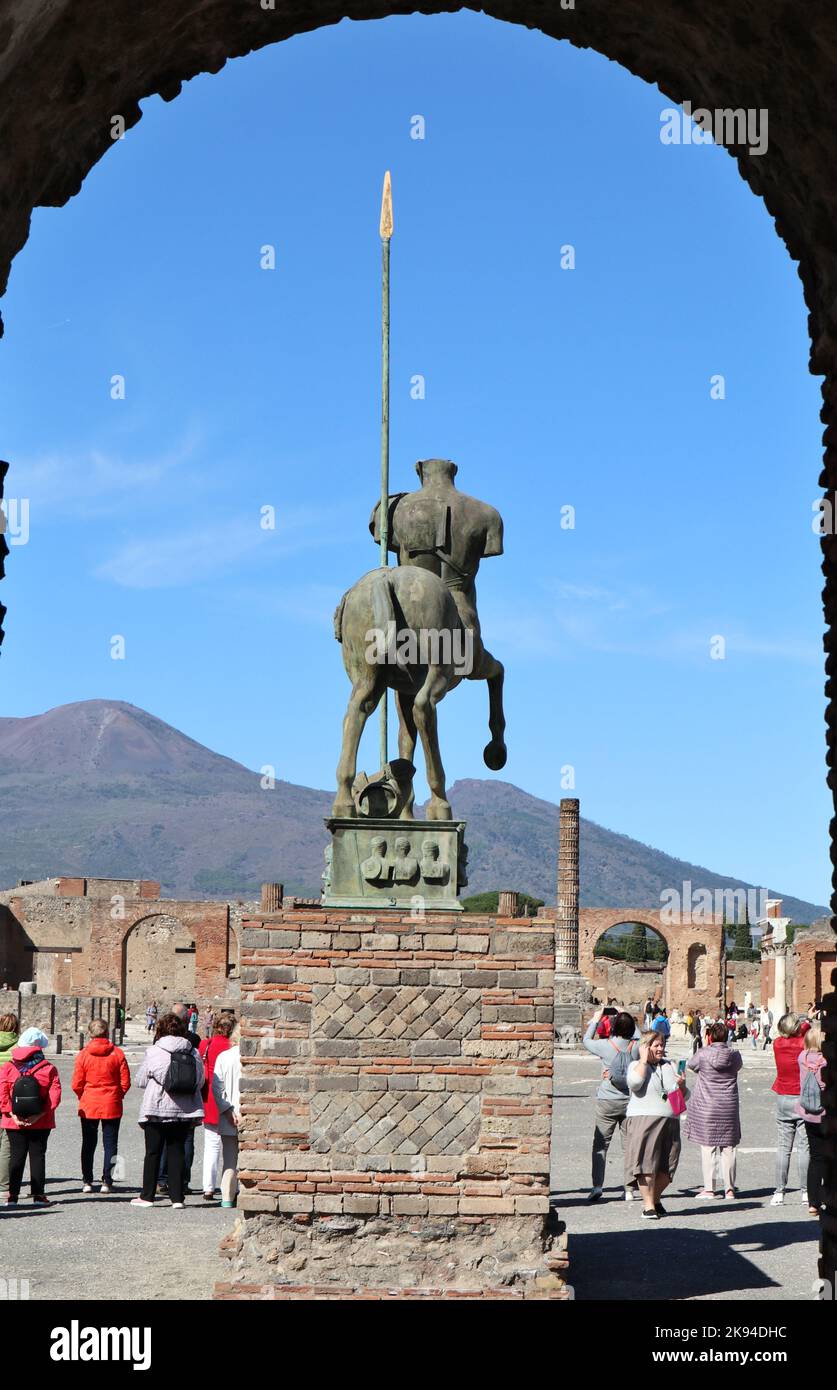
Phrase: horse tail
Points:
(338, 618)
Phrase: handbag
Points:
(677, 1101)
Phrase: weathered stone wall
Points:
(630, 985)
(810, 964)
(54, 1014)
(117, 936)
(743, 976)
(396, 1108)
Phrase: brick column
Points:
(397, 1106)
(569, 983)
(566, 920)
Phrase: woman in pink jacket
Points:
(30, 1093)
(809, 1107)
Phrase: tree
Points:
(742, 948)
(490, 901)
(636, 947)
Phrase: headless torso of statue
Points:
(441, 529)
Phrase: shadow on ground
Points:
(666, 1260)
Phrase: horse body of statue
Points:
(415, 629)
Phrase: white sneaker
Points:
(777, 1200)
(88, 1187)
(177, 1206)
(106, 1188)
(630, 1195)
(140, 1202)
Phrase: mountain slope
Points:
(103, 789)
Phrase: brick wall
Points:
(397, 1098)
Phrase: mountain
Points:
(103, 789)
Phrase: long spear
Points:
(386, 234)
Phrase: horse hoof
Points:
(439, 810)
(494, 755)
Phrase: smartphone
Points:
(681, 1066)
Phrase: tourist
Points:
(615, 1052)
(693, 1024)
(100, 1080)
(30, 1093)
(208, 1020)
(766, 1024)
(810, 1109)
(151, 1016)
(754, 1033)
(210, 1050)
(184, 1012)
(226, 1093)
(9, 1029)
(790, 1127)
(713, 1118)
(171, 1075)
(648, 1013)
(193, 1018)
(661, 1024)
(652, 1128)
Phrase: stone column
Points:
(272, 896)
(778, 1000)
(566, 919)
(569, 983)
(508, 903)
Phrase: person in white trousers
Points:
(211, 1051)
(226, 1089)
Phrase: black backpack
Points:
(27, 1097)
(182, 1075)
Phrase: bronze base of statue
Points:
(410, 866)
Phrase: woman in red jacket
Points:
(100, 1080)
(790, 1126)
(210, 1049)
(30, 1093)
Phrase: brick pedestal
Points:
(397, 1098)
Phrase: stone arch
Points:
(687, 941)
(158, 962)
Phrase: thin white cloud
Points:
(206, 549)
(96, 482)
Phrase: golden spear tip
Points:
(386, 208)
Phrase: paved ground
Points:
(702, 1250)
(95, 1247)
(91, 1247)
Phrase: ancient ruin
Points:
(80, 937)
(65, 71)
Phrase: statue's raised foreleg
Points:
(489, 669)
(424, 712)
(366, 692)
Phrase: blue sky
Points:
(590, 387)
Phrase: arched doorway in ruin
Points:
(158, 962)
(693, 967)
(630, 961)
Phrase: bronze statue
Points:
(415, 629)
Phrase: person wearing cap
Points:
(28, 1134)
